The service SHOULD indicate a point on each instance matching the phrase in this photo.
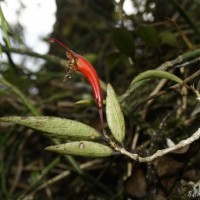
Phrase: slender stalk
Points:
(50, 58)
(186, 17)
(159, 153)
(44, 172)
(182, 60)
(5, 26)
(22, 96)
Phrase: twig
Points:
(24, 99)
(154, 92)
(50, 58)
(165, 66)
(44, 172)
(159, 153)
(197, 92)
(188, 63)
(184, 14)
(58, 178)
(162, 152)
(180, 59)
(182, 34)
(191, 77)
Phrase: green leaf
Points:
(168, 38)
(20, 94)
(0, 49)
(113, 59)
(149, 35)
(124, 41)
(153, 74)
(135, 85)
(5, 27)
(86, 102)
(82, 148)
(115, 117)
(56, 127)
(90, 57)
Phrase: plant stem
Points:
(50, 58)
(159, 153)
(182, 12)
(24, 99)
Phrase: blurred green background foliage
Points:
(120, 45)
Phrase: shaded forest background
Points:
(119, 46)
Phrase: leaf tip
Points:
(51, 148)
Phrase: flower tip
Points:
(52, 40)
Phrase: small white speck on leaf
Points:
(81, 145)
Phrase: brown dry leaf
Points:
(160, 197)
(168, 169)
(167, 166)
(136, 185)
(191, 175)
(170, 143)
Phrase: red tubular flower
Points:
(79, 63)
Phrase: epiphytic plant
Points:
(83, 140)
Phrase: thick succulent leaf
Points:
(56, 127)
(153, 74)
(82, 148)
(115, 117)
